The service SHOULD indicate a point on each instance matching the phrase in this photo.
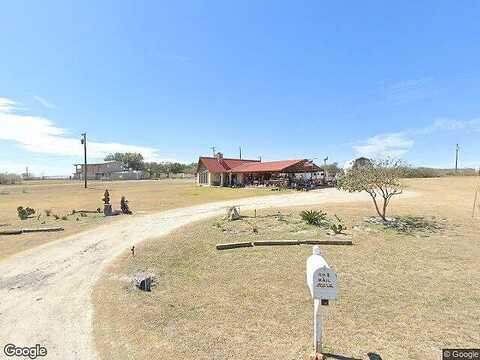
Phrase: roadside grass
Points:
(55, 200)
(401, 296)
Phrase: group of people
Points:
(290, 181)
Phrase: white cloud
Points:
(446, 124)
(395, 145)
(37, 167)
(45, 102)
(386, 145)
(41, 135)
(6, 105)
(409, 90)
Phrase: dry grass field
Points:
(402, 296)
(61, 197)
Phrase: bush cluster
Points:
(24, 213)
(313, 217)
(320, 218)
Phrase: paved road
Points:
(45, 292)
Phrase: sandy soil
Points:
(61, 197)
(46, 292)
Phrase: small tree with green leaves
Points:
(379, 178)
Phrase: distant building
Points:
(127, 175)
(100, 171)
(220, 171)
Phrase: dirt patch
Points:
(54, 202)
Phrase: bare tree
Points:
(379, 178)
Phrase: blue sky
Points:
(303, 79)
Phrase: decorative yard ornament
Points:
(322, 282)
(106, 197)
(107, 207)
(233, 213)
(124, 206)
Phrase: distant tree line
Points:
(425, 172)
(135, 161)
(129, 160)
(332, 169)
(155, 169)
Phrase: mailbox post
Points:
(322, 282)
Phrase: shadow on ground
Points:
(371, 356)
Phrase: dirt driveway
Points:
(45, 292)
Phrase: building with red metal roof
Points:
(220, 171)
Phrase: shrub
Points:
(56, 216)
(410, 224)
(337, 226)
(24, 213)
(64, 217)
(48, 212)
(313, 217)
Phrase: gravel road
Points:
(45, 292)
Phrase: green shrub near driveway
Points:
(24, 213)
(313, 217)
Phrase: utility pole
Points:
(84, 142)
(456, 157)
(213, 149)
(240, 148)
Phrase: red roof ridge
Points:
(214, 158)
(274, 166)
(214, 164)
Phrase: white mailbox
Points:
(321, 280)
